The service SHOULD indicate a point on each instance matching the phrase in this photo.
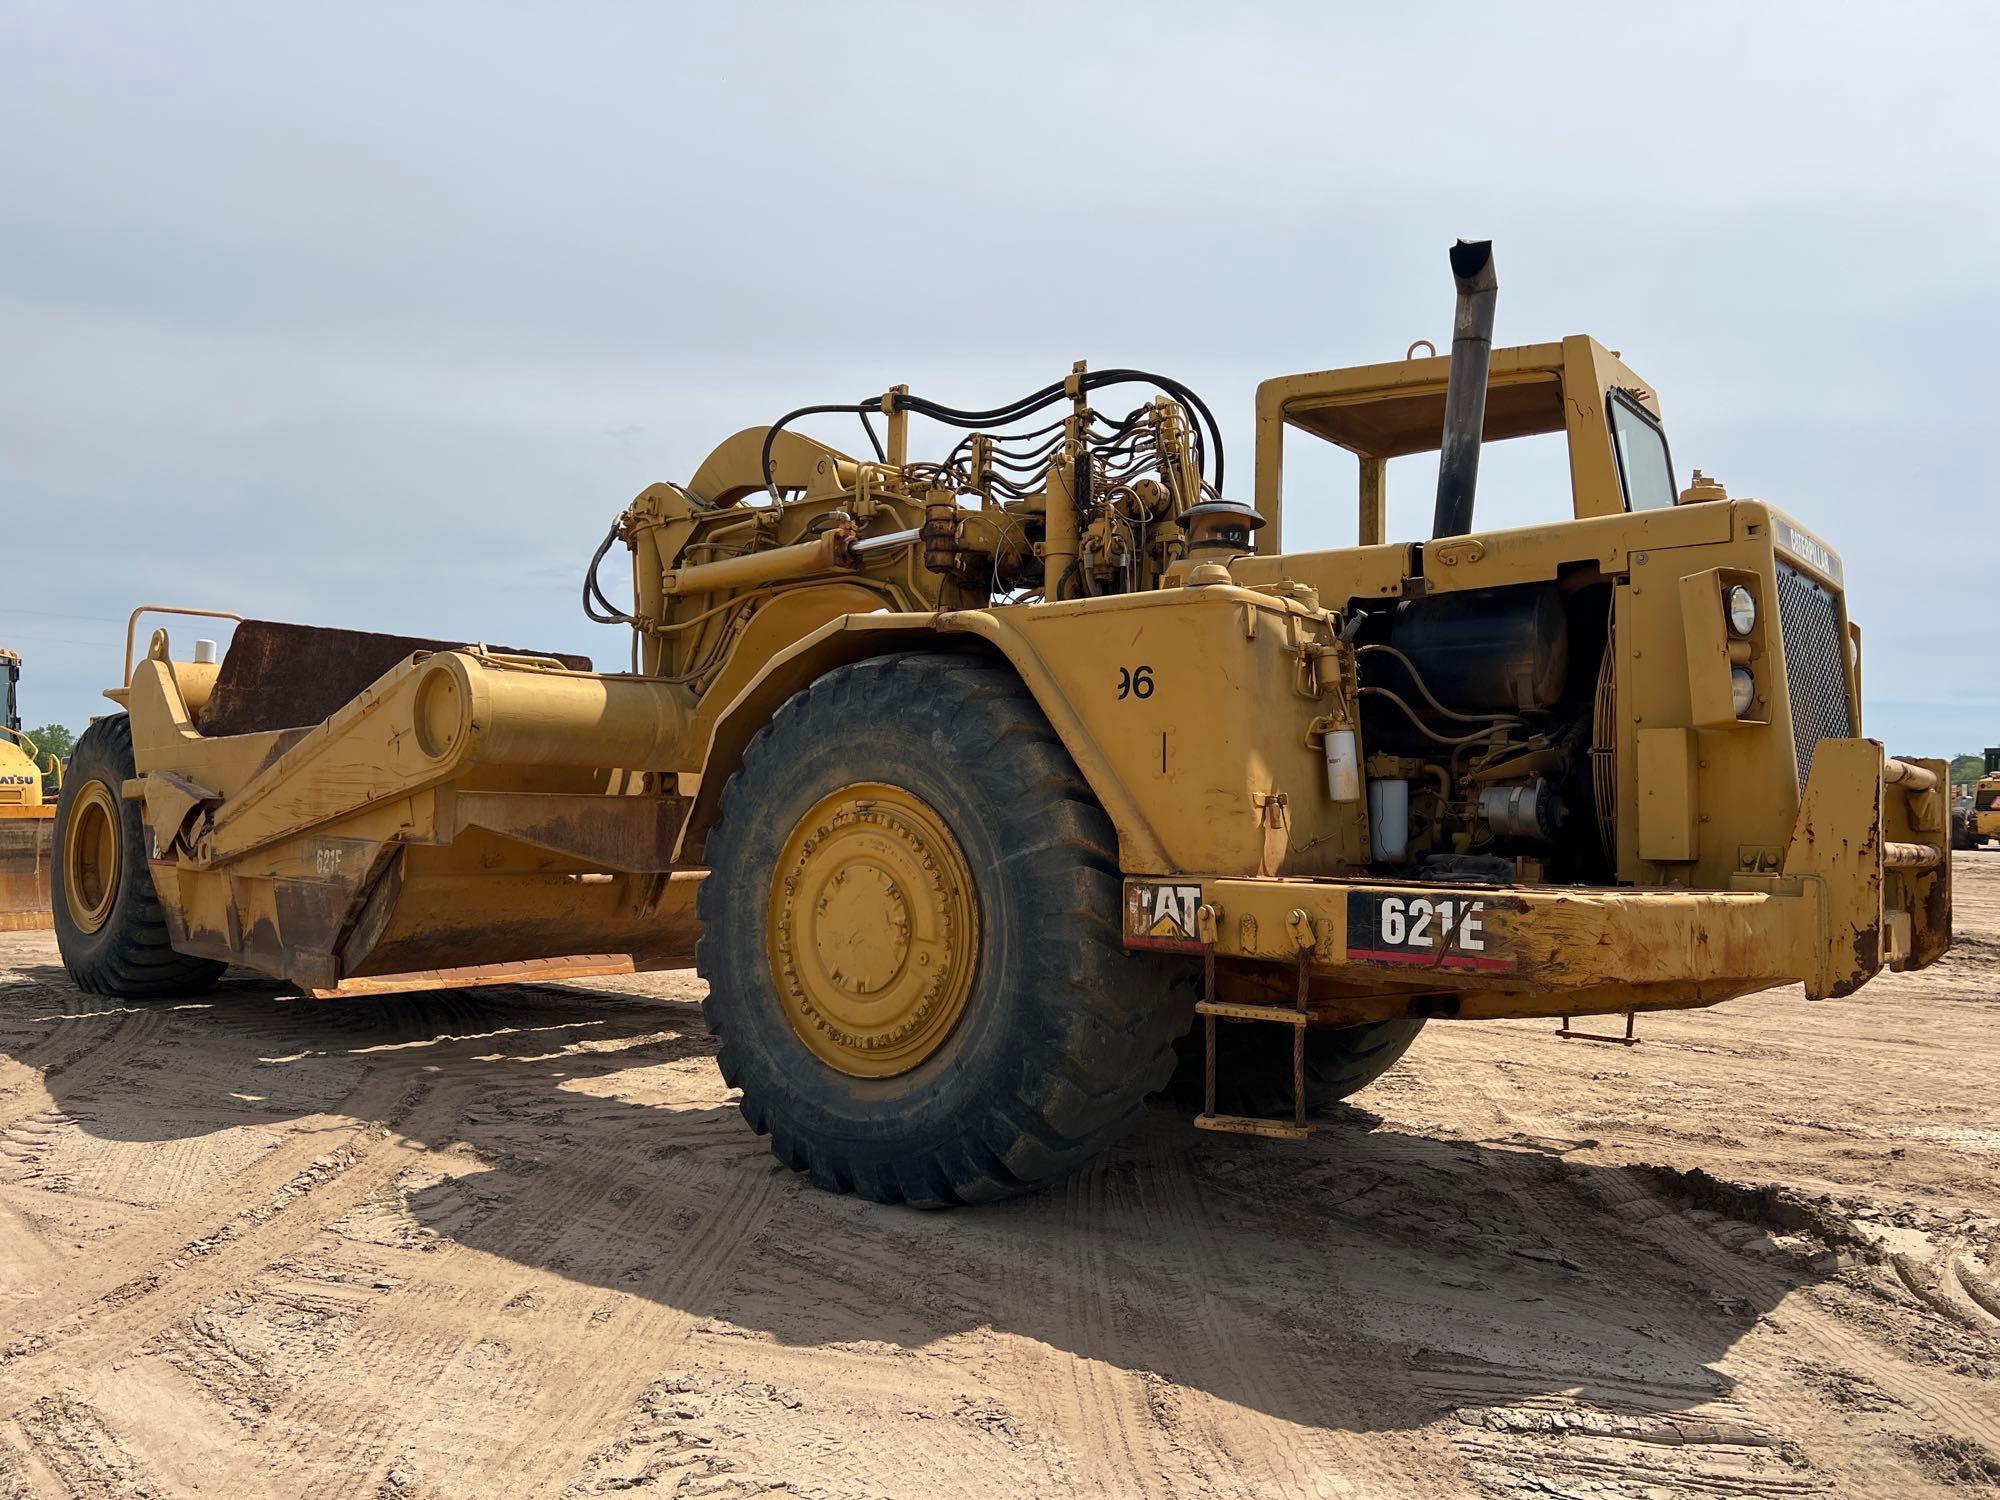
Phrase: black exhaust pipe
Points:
(1465, 393)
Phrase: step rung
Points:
(1283, 1015)
(1283, 1130)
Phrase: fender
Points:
(854, 638)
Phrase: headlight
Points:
(1742, 689)
(1742, 607)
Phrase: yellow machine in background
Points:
(27, 818)
(970, 779)
(1980, 821)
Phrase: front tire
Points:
(910, 933)
(109, 925)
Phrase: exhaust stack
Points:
(1465, 394)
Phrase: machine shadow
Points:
(581, 1135)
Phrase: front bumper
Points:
(1864, 883)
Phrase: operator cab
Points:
(10, 676)
(1619, 460)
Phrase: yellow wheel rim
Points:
(90, 857)
(873, 932)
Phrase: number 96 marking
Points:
(1135, 682)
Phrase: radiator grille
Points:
(1816, 663)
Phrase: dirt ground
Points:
(518, 1242)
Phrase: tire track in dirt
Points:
(145, 1280)
(1785, 1407)
(27, 1260)
(1266, 1373)
(183, 1341)
(21, 1478)
(236, 1355)
(1108, 1418)
(537, 1364)
(74, 1049)
(33, 1040)
(70, 1437)
(115, 1291)
(935, 1325)
(1949, 1403)
(568, 1385)
(1523, 1158)
(658, 1321)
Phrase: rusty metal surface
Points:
(1518, 950)
(1279, 1130)
(444, 916)
(583, 966)
(1837, 842)
(281, 676)
(1231, 1011)
(1631, 1038)
(1921, 891)
(1899, 856)
(631, 834)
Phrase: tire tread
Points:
(1101, 1024)
(132, 956)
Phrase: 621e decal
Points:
(1427, 929)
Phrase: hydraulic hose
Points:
(1207, 431)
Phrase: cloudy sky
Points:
(377, 314)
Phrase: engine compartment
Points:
(1484, 718)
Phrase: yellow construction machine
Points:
(1979, 820)
(27, 817)
(970, 780)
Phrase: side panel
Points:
(1199, 703)
(1667, 765)
(1187, 711)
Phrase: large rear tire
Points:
(1254, 1076)
(109, 926)
(910, 933)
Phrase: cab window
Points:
(1644, 467)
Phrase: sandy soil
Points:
(518, 1242)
